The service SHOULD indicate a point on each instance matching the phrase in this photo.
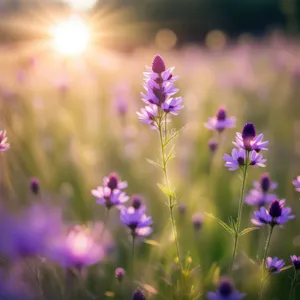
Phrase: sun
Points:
(71, 36)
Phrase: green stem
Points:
(165, 172)
(132, 253)
(104, 224)
(293, 285)
(263, 279)
(240, 212)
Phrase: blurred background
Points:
(71, 73)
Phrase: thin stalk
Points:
(162, 137)
(104, 224)
(293, 285)
(132, 253)
(264, 277)
(240, 212)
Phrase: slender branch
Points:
(104, 224)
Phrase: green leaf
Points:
(173, 134)
(286, 267)
(171, 154)
(155, 164)
(167, 191)
(223, 224)
(247, 230)
(152, 243)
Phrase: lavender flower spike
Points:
(275, 215)
(220, 122)
(296, 262)
(3, 141)
(296, 183)
(274, 265)
(225, 291)
(248, 139)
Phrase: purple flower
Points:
(212, 145)
(225, 291)
(136, 220)
(220, 121)
(172, 105)
(120, 273)
(275, 215)
(238, 159)
(3, 141)
(148, 115)
(160, 89)
(34, 186)
(109, 198)
(259, 196)
(138, 295)
(113, 182)
(81, 246)
(296, 262)
(296, 183)
(248, 139)
(274, 265)
(197, 220)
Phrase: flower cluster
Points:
(159, 96)
(261, 194)
(247, 152)
(111, 192)
(220, 122)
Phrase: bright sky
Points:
(81, 4)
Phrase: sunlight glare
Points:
(71, 37)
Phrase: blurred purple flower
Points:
(225, 291)
(136, 220)
(34, 186)
(238, 159)
(197, 220)
(138, 295)
(275, 215)
(248, 140)
(296, 183)
(81, 246)
(220, 121)
(3, 141)
(212, 145)
(260, 196)
(274, 265)
(120, 273)
(296, 262)
(113, 182)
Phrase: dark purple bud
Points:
(119, 273)
(182, 208)
(296, 262)
(248, 134)
(113, 181)
(265, 182)
(138, 295)
(34, 186)
(241, 161)
(213, 145)
(158, 65)
(221, 114)
(197, 220)
(225, 287)
(136, 202)
(275, 209)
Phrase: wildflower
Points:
(260, 196)
(136, 202)
(182, 208)
(34, 186)
(3, 141)
(160, 89)
(113, 182)
(138, 295)
(212, 145)
(274, 265)
(275, 215)
(225, 291)
(296, 262)
(197, 221)
(220, 121)
(248, 139)
(136, 220)
(120, 273)
(148, 115)
(296, 183)
(238, 159)
(79, 247)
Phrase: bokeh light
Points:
(165, 39)
(71, 36)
